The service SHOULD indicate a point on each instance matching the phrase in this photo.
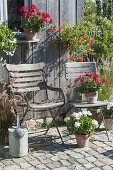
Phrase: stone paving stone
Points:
(96, 168)
(25, 165)
(82, 161)
(12, 167)
(54, 165)
(18, 160)
(55, 158)
(61, 168)
(98, 163)
(34, 162)
(91, 159)
(77, 155)
(89, 165)
(30, 168)
(40, 167)
(65, 163)
(107, 168)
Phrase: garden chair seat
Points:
(48, 105)
(27, 82)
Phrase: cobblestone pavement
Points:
(48, 154)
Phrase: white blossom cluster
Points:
(79, 115)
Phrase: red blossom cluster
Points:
(56, 29)
(88, 83)
(32, 19)
(72, 58)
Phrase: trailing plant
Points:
(6, 39)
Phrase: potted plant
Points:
(77, 40)
(82, 126)
(89, 84)
(7, 37)
(32, 20)
(108, 115)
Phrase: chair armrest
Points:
(57, 89)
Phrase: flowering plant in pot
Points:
(82, 125)
(32, 20)
(77, 40)
(89, 84)
(108, 115)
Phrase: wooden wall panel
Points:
(61, 11)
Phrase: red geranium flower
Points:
(80, 43)
(71, 58)
(80, 59)
(32, 19)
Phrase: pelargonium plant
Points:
(108, 111)
(77, 40)
(88, 82)
(32, 19)
(81, 123)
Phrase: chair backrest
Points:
(74, 70)
(25, 77)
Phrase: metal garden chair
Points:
(28, 80)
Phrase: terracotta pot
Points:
(82, 140)
(30, 35)
(109, 124)
(91, 97)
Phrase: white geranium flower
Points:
(110, 104)
(89, 113)
(2, 43)
(86, 112)
(98, 110)
(66, 119)
(95, 123)
(77, 124)
(76, 115)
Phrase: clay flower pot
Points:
(82, 140)
(91, 97)
(30, 35)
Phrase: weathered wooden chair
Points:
(26, 81)
(74, 70)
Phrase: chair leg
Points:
(53, 121)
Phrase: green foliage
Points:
(108, 111)
(81, 123)
(105, 93)
(77, 40)
(6, 38)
